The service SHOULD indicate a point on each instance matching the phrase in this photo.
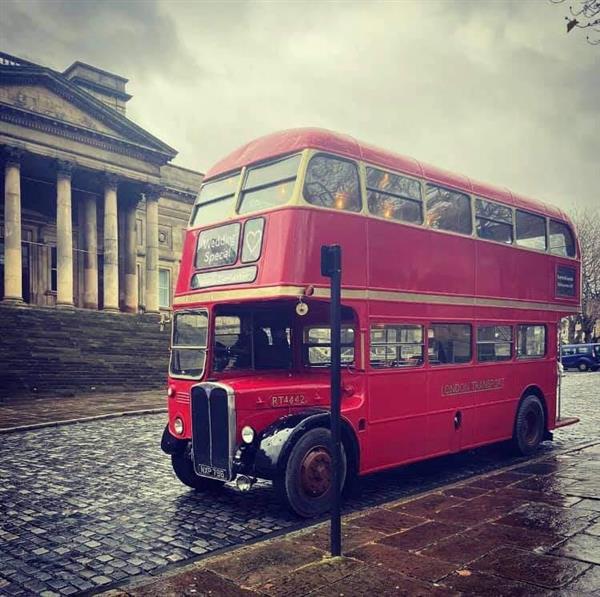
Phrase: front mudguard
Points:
(169, 444)
(275, 443)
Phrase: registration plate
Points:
(213, 471)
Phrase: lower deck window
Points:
(449, 343)
(396, 346)
(317, 346)
(494, 343)
(531, 341)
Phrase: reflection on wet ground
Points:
(86, 506)
(523, 531)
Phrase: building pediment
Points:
(41, 100)
(40, 97)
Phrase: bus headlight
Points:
(178, 426)
(247, 434)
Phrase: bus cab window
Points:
(449, 343)
(247, 341)
(332, 182)
(317, 346)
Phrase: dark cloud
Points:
(494, 89)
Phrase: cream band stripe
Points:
(374, 295)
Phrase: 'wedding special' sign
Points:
(218, 247)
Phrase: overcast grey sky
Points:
(493, 89)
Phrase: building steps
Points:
(49, 351)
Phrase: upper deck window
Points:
(448, 210)
(494, 221)
(332, 182)
(531, 230)
(216, 201)
(561, 239)
(394, 196)
(269, 185)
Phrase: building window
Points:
(53, 270)
(396, 346)
(164, 288)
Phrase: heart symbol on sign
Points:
(253, 240)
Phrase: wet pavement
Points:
(503, 540)
(38, 412)
(89, 506)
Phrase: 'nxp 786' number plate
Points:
(212, 471)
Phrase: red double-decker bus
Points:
(452, 292)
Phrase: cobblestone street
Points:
(84, 507)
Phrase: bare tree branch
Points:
(585, 15)
(588, 228)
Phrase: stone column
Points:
(129, 263)
(64, 235)
(111, 245)
(152, 196)
(13, 267)
(90, 256)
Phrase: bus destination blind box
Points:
(331, 267)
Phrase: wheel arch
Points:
(276, 442)
(535, 391)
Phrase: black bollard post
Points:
(331, 266)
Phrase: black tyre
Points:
(530, 425)
(184, 470)
(583, 366)
(306, 487)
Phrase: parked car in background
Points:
(580, 356)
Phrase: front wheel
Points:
(582, 366)
(307, 484)
(530, 424)
(184, 471)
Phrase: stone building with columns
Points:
(93, 212)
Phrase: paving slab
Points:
(31, 413)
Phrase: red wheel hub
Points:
(315, 472)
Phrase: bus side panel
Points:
(397, 415)
(294, 240)
(415, 260)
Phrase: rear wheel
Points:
(582, 366)
(307, 484)
(184, 470)
(530, 425)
